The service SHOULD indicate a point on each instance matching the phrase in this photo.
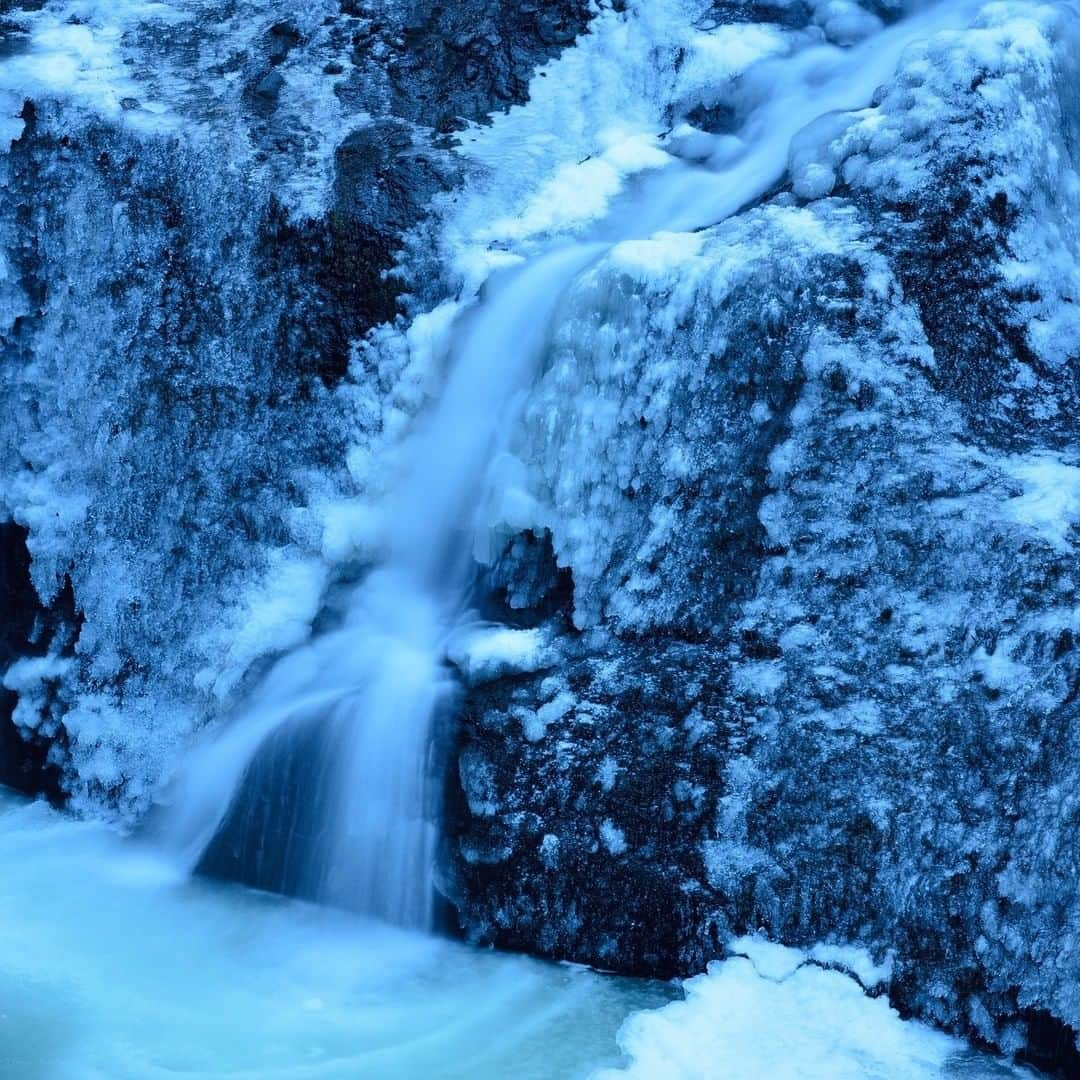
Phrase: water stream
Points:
(114, 966)
(322, 787)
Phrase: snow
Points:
(767, 1012)
(614, 839)
(1050, 502)
(857, 962)
(483, 653)
(770, 960)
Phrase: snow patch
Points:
(857, 961)
(1050, 503)
(487, 652)
(613, 837)
(767, 1013)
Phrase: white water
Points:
(373, 686)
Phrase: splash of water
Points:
(322, 787)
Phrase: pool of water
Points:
(114, 966)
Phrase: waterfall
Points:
(322, 785)
(336, 739)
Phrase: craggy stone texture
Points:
(29, 633)
(818, 674)
(451, 63)
(795, 498)
(201, 205)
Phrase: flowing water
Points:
(113, 966)
(323, 786)
(359, 701)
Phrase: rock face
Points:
(792, 510)
(201, 207)
(811, 662)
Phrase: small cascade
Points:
(322, 787)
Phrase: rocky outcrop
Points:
(202, 211)
(816, 673)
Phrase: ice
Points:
(593, 123)
(613, 837)
(276, 617)
(74, 51)
(766, 1012)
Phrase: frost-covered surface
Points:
(767, 1011)
(199, 201)
(812, 474)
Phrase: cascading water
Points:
(322, 786)
(356, 704)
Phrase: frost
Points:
(761, 679)
(607, 773)
(775, 436)
(536, 722)
(34, 679)
(277, 617)
(613, 837)
(549, 850)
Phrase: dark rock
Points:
(269, 86)
(29, 629)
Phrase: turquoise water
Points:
(113, 966)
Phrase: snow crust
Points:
(767, 1011)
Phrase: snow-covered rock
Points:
(812, 475)
(200, 202)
